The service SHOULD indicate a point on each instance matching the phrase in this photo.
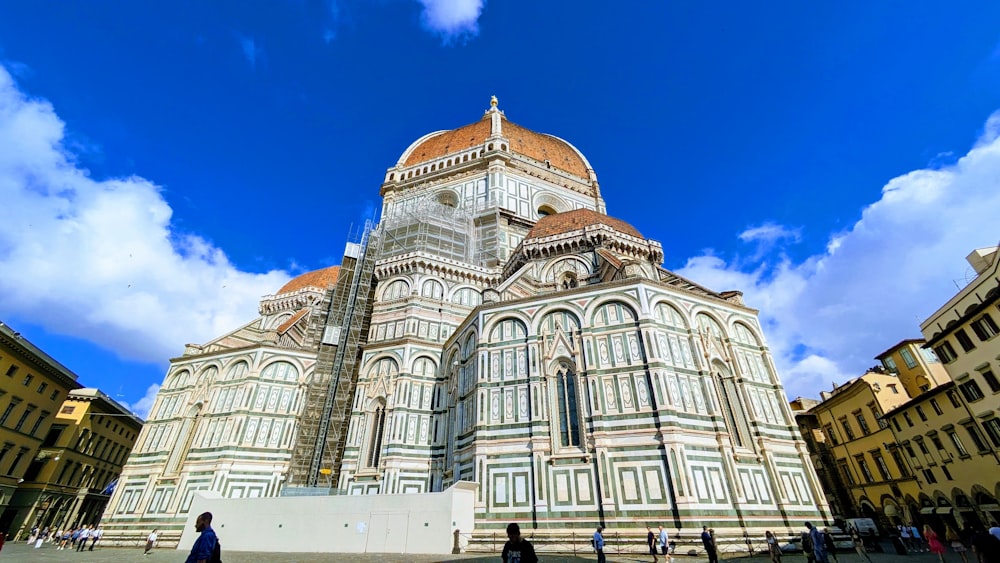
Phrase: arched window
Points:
(377, 426)
(280, 371)
(566, 407)
(432, 289)
(237, 371)
(467, 296)
(395, 290)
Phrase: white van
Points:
(864, 526)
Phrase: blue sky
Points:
(162, 165)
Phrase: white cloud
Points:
(452, 19)
(99, 259)
(142, 407)
(769, 233)
(251, 52)
(827, 316)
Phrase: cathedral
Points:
(495, 327)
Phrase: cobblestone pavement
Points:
(21, 552)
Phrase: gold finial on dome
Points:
(493, 101)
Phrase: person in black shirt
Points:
(517, 550)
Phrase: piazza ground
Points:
(21, 552)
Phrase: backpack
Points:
(807, 543)
(216, 552)
(593, 543)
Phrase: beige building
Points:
(963, 334)
(33, 387)
(70, 480)
(853, 449)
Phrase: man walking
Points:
(84, 536)
(599, 544)
(709, 542)
(818, 540)
(664, 542)
(95, 535)
(203, 547)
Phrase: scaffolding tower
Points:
(319, 448)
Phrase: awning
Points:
(943, 510)
(927, 510)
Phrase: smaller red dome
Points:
(568, 221)
(320, 279)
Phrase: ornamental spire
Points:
(495, 114)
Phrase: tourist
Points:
(933, 542)
(708, 541)
(818, 541)
(830, 547)
(904, 536)
(772, 547)
(918, 541)
(713, 556)
(517, 549)
(206, 544)
(84, 536)
(664, 544)
(859, 545)
(651, 543)
(150, 542)
(955, 541)
(95, 535)
(598, 542)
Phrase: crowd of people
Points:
(79, 538)
(818, 545)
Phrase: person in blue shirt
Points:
(203, 547)
(599, 544)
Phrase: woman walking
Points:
(933, 542)
(772, 547)
(951, 536)
(859, 545)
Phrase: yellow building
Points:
(955, 467)
(855, 447)
(917, 367)
(71, 479)
(963, 334)
(33, 387)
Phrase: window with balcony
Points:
(904, 469)
(959, 446)
(845, 471)
(971, 391)
(985, 328)
(991, 380)
(828, 430)
(992, 427)
(977, 439)
(863, 466)
(862, 423)
(945, 352)
(963, 340)
(883, 469)
(846, 425)
(953, 397)
(936, 406)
